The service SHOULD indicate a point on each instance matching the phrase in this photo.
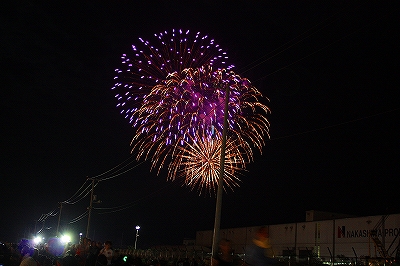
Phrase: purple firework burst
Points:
(150, 62)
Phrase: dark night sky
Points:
(330, 70)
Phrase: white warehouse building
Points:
(323, 235)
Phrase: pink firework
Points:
(150, 62)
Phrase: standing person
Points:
(224, 257)
(27, 259)
(107, 252)
(257, 253)
(92, 254)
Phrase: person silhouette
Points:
(257, 253)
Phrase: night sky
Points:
(329, 68)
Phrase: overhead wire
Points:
(85, 192)
(72, 198)
(115, 175)
(81, 196)
(131, 204)
(41, 218)
(42, 228)
(316, 51)
(80, 217)
(106, 172)
(44, 216)
(85, 189)
(336, 125)
(274, 53)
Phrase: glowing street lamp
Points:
(137, 234)
(37, 240)
(65, 239)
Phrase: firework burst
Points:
(198, 162)
(193, 101)
(172, 90)
(150, 62)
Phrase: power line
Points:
(110, 177)
(336, 125)
(131, 204)
(290, 43)
(72, 198)
(82, 195)
(106, 172)
(318, 50)
(80, 217)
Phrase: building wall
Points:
(240, 237)
(282, 237)
(347, 237)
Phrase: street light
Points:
(137, 234)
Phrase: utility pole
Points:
(59, 218)
(218, 207)
(91, 205)
(34, 229)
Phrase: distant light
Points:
(137, 227)
(65, 239)
(37, 240)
